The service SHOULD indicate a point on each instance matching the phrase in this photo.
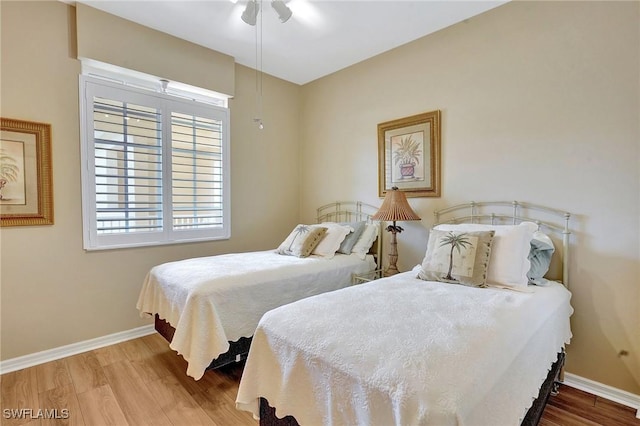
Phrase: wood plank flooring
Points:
(573, 407)
(143, 382)
(138, 382)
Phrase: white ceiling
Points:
(322, 36)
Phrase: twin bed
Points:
(209, 307)
(404, 350)
(408, 349)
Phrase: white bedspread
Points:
(213, 300)
(407, 352)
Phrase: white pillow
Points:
(332, 239)
(366, 240)
(509, 263)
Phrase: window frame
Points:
(91, 86)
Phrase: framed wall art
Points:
(409, 155)
(26, 193)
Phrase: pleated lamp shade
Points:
(395, 207)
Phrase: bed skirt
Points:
(532, 418)
(549, 386)
(237, 352)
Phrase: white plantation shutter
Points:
(155, 168)
(197, 172)
(128, 167)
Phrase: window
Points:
(155, 167)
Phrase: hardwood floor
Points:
(138, 382)
(573, 407)
(143, 382)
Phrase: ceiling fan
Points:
(252, 9)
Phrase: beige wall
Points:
(54, 293)
(540, 103)
(110, 39)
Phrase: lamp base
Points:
(391, 271)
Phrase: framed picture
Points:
(26, 194)
(409, 155)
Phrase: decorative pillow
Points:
(353, 237)
(509, 255)
(457, 257)
(369, 235)
(331, 241)
(542, 249)
(302, 240)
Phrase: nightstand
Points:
(366, 276)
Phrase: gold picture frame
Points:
(26, 192)
(409, 155)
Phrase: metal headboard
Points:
(513, 212)
(352, 211)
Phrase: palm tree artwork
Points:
(407, 155)
(9, 170)
(457, 242)
(300, 229)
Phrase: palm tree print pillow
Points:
(457, 257)
(302, 240)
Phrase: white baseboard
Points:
(30, 360)
(616, 395)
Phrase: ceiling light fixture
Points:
(284, 13)
(251, 12)
(252, 9)
(250, 16)
(258, 33)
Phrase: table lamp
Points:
(394, 207)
